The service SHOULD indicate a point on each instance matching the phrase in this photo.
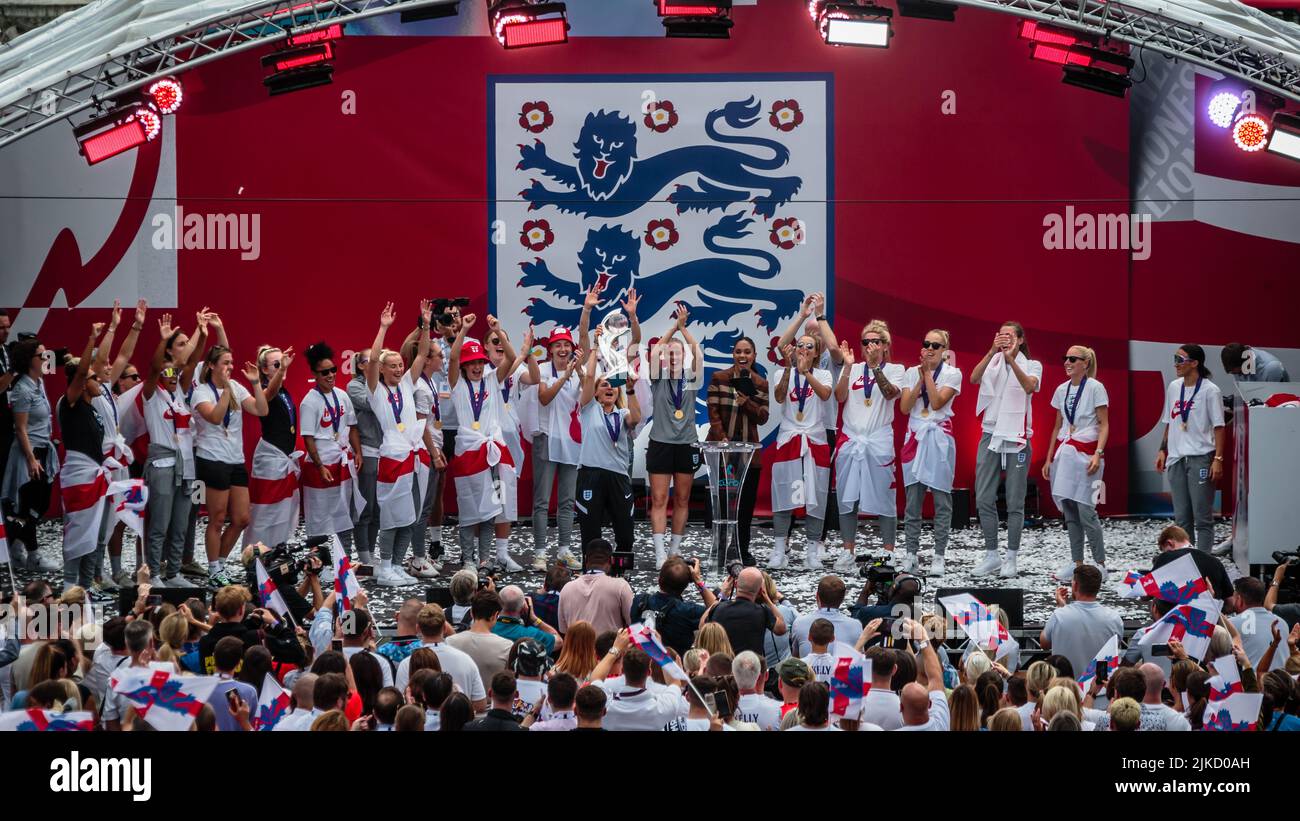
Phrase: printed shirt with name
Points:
(1206, 415)
(220, 442)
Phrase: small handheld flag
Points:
(130, 498)
(1191, 624)
(976, 620)
(1227, 681)
(850, 682)
(268, 593)
(1238, 712)
(272, 705)
(646, 640)
(1180, 582)
(46, 721)
(346, 586)
(166, 700)
(1107, 656)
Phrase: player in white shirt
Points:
(1007, 380)
(333, 445)
(864, 454)
(1191, 451)
(219, 404)
(432, 398)
(929, 454)
(801, 459)
(399, 491)
(485, 474)
(555, 451)
(169, 466)
(1075, 457)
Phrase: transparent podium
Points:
(727, 463)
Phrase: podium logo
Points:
(1098, 232)
(128, 775)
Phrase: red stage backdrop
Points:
(924, 176)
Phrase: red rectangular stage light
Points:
(113, 141)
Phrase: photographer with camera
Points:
(295, 578)
(596, 597)
(749, 614)
(1285, 584)
(517, 621)
(895, 593)
(258, 626)
(675, 619)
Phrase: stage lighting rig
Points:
(850, 23)
(1286, 135)
(525, 23)
(117, 131)
(708, 19)
(431, 13)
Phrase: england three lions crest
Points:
(712, 191)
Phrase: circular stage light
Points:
(150, 119)
(1250, 132)
(1222, 106)
(166, 93)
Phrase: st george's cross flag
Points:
(1108, 656)
(1238, 712)
(976, 620)
(1180, 582)
(267, 593)
(130, 498)
(1227, 679)
(346, 586)
(849, 684)
(272, 705)
(46, 721)
(644, 638)
(166, 700)
(1192, 624)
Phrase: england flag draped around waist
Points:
(272, 495)
(1069, 472)
(166, 700)
(1180, 582)
(1191, 624)
(801, 473)
(1107, 657)
(272, 705)
(394, 488)
(864, 473)
(46, 721)
(645, 638)
(327, 502)
(929, 455)
(485, 476)
(84, 489)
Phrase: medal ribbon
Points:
(1070, 407)
(1185, 407)
(925, 396)
(336, 413)
(477, 396)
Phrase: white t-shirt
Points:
(1090, 394)
(489, 415)
(394, 407)
(565, 399)
(169, 422)
(938, 721)
(823, 664)
(220, 442)
(756, 708)
(861, 419)
(989, 420)
(830, 410)
(881, 708)
(814, 409)
(799, 728)
(638, 708)
(327, 419)
(949, 377)
(455, 663)
(1205, 415)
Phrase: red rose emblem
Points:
(774, 352)
(661, 116)
(536, 117)
(660, 234)
(536, 235)
(786, 233)
(785, 115)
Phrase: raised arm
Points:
(372, 367)
(805, 311)
(629, 307)
(192, 354)
(78, 384)
(106, 344)
(533, 374)
(824, 329)
(783, 384)
(159, 358)
(842, 384)
(590, 301)
(507, 365)
(422, 350)
(128, 345)
(453, 360)
(218, 328)
(633, 404)
(588, 391)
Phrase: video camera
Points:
(284, 567)
(1288, 591)
(442, 308)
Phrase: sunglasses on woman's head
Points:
(1072, 359)
(866, 342)
(934, 346)
(327, 371)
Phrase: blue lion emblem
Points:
(610, 181)
(611, 257)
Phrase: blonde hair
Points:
(387, 352)
(1062, 697)
(332, 720)
(977, 664)
(1006, 720)
(770, 586)
(693, 661)
(263, 351)
(1125, 714)
(713, 638)
(1039, 678)
(172, 632)
(878, 326)
(1090, 355)
(940, 332)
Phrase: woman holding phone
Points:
(1074, 459)
(929, 454)
(801, 460)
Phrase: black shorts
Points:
(449, 444)
(220, 475)
(662, 457)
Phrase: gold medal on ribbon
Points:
(867, 402)
(798, 416)
(1184, 426)
(678, 413)
(476, 425)
(401, 428)
(1071, 428)
(925, 412)
(437, 424)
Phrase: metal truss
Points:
(105, 80)
(1253, 62)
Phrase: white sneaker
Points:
(936, 567)
(988, 565)
(421, 568)
(908, 564)
(1009, 570)
(406, 578)
(777, 560)
(1065, 574)
(386, 577)
(661, 556)
(508, 563)
(568, 558)
(539, 563)
(845, 562)
(810, 559)
(180, 581)
(1223, 548)
(1105, 574)
(35, 561)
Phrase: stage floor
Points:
(1130, 544)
